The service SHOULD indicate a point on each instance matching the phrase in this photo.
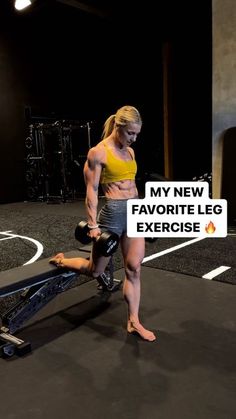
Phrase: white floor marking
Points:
(172, 249)
(215, 272)
(38, 245)
(4, 233)
(6, 238)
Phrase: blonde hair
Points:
(126, 114)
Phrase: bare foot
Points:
(56, 260)
(136, 327)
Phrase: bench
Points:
(37, 284)
(21, 277)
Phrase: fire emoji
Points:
(210, 228)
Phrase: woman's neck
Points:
(113, 141)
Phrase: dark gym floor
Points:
(84, 365)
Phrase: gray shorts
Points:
(113, 216)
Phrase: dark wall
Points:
(60, 62)
(229, 172)
(192, 93)
(224, 84)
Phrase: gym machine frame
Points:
(41, 158)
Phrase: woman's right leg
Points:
(81, 265)
(94, 266)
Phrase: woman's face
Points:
(128, 134)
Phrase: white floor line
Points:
(4, 233)
(6, 238)
(172, 249)
(38, 245)
(215, 272)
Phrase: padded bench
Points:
(16, 279)
(39, 283)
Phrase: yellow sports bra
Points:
(117, 169)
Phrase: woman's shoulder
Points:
(98, 152)
(131, 151)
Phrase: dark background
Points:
(60, 62)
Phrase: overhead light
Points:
(22, 4)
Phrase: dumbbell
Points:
(106, 244)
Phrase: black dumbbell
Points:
(106, 244)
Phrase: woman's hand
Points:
(94, 233)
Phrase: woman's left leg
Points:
(133, 253)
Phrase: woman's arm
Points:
(92, 173)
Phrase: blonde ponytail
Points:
(108, 126)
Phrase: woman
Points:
(112, 164)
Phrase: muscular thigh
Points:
(133, 249)
(98, 262)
